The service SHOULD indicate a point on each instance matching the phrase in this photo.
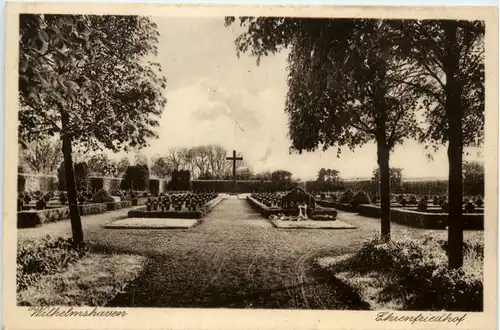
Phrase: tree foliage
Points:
(395, 175)
(328, 175)
(90, 71)
(426, 51)
(281, 176)
(86, 78)
(473, 178)
(101, 165)
(161, 167)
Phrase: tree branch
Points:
(422, 89)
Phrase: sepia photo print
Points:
(252, 160)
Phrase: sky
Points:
(209, 88)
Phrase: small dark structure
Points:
(296, 197)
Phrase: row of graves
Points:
(179, 202)
(49, 200)
(295, 203)
(439, 203)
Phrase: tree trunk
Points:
(385, 198)
(455, 149)
(76, 222)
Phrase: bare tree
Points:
(219, 166)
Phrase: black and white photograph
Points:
(252, 162)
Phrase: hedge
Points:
(242, 186)
(113, 206)
(423, 219)
(139, 201)
(142, 213)
(27, 219)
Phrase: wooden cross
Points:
(234, 159)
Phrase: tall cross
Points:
(234, 159)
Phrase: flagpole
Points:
(234, 136)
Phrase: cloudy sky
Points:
(209, 88)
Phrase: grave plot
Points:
(420, 211)
(296, 209)
(174, 211)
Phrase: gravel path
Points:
(237, 259)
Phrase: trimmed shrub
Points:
(360, 198)
(113, 206)
(346, 197)
(136, 177)
(32, 218)
(82, 177)
(418, 219)
(139, 201)
(21, 182)
(102, 196)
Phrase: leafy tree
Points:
(322, 174)
(122, 166)
(141, 159)
(342, 89)
(244, 173)
(136, 178)
(42, 156)
(473, 178)
(395, 175)
(101, 165)
(266, 175)
(281, 176)
(446, 69)
(85, 79)
(328, 175)
(161, 167)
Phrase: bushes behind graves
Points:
(419, 277)
(102, 196)
(36, 182)
(346, 197)
(242, 186)
(154, 186)
(180, 180)
(136, 177)
(82, 177)
(27, 219)
(21, 182)
(107, 183)
(359, 198)
(83, 182)
(48, 256)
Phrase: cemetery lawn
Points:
(237, 259)
(91, 281)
